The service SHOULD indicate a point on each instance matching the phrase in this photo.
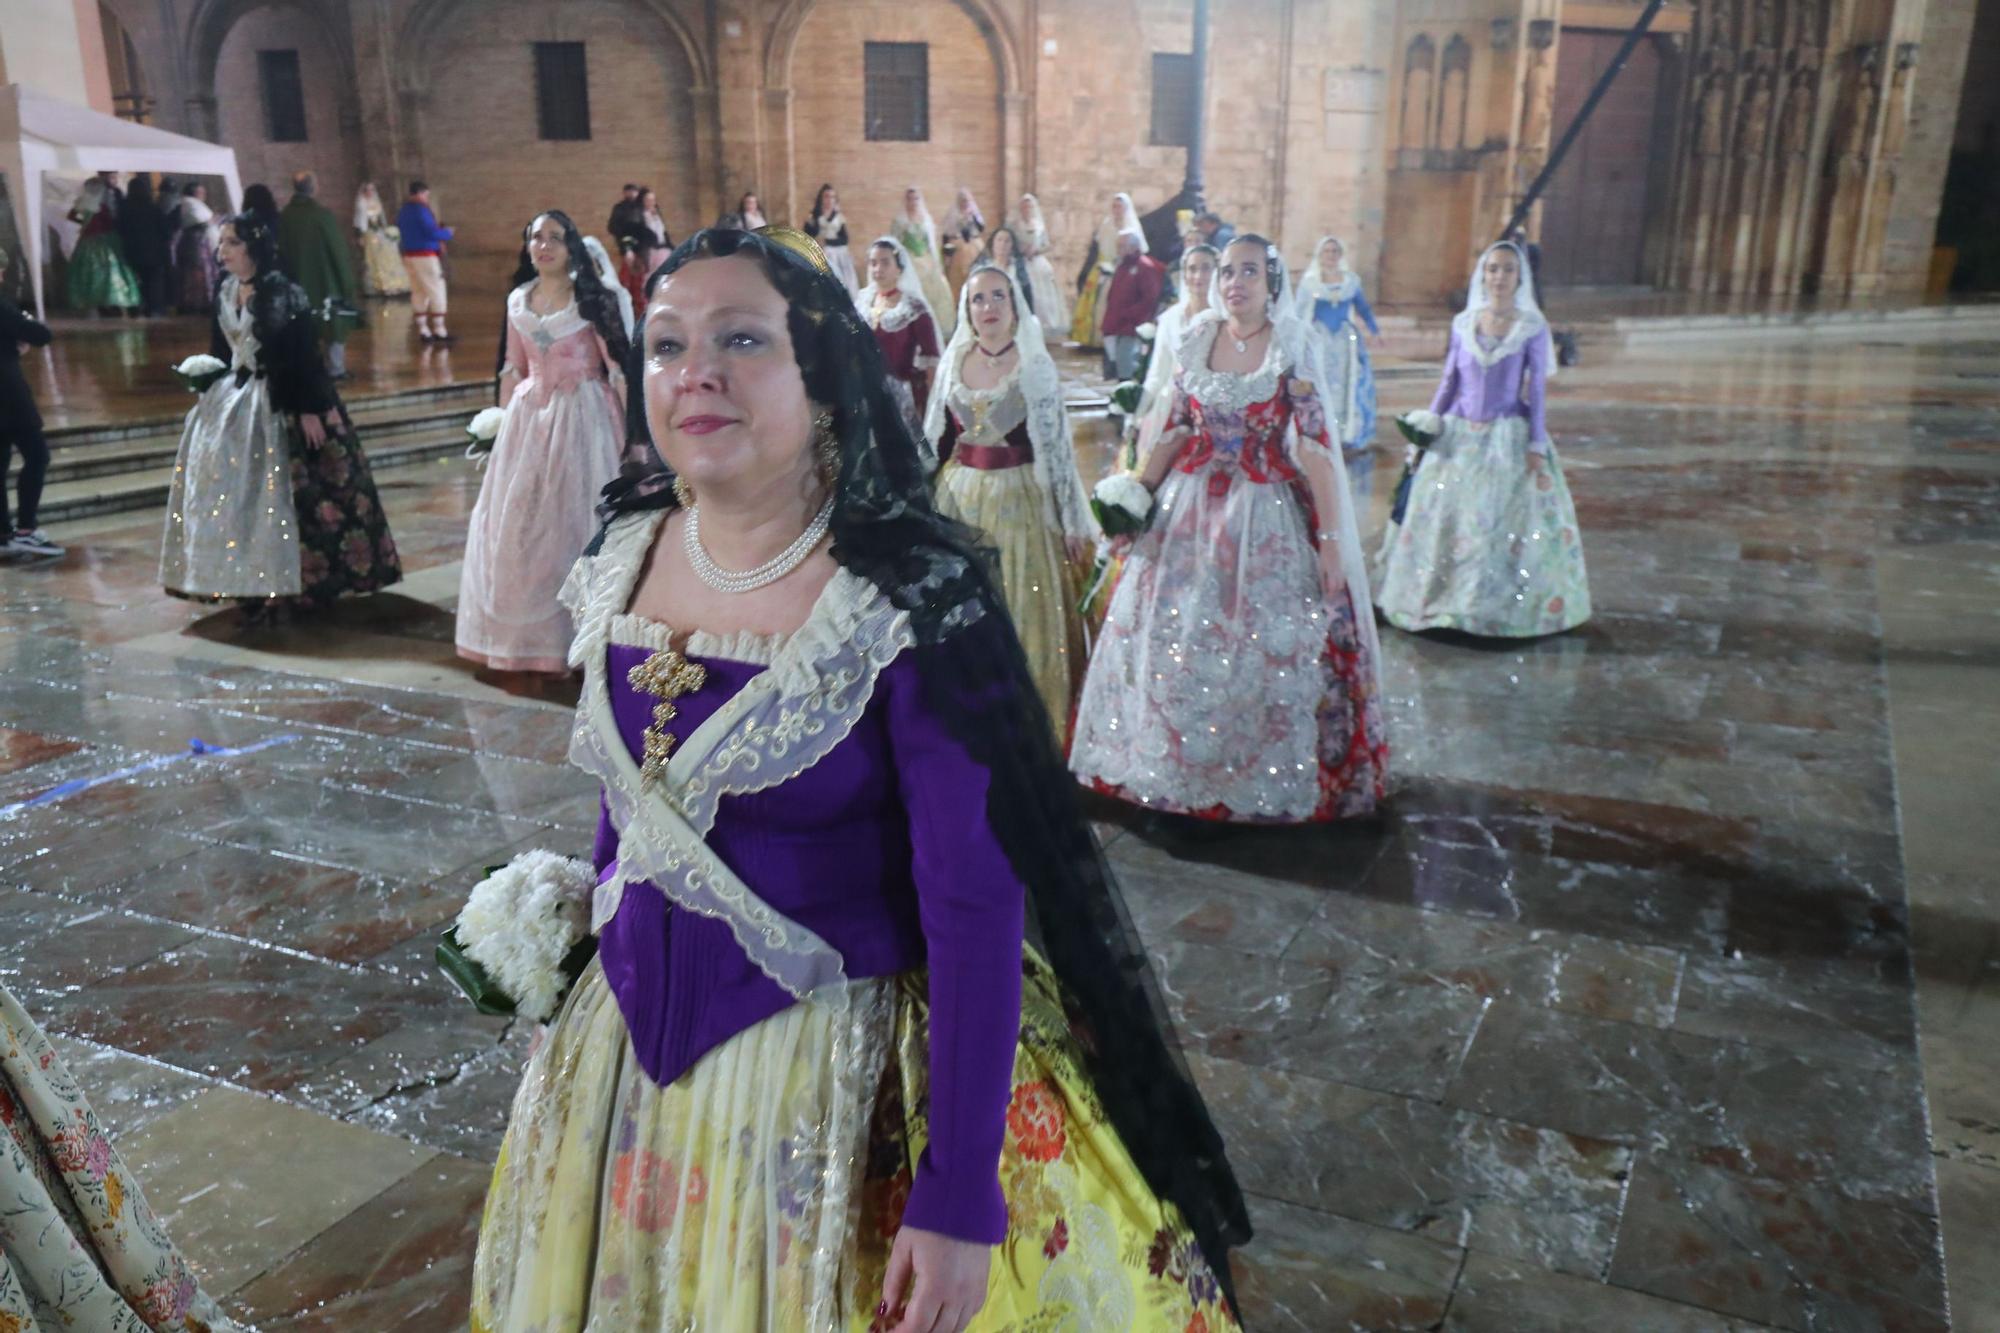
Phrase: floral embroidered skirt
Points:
(764, 1188)
(1487, 546)
(99, 277)
(1036, 578)
(1226, 683)
(344, 541)
(79, 1246)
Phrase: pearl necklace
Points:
(749, 580)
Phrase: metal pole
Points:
(1534, 193)
(1197, 92)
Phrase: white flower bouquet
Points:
(1147, 332)
(1122, 504)
(393, 232)
(198, 372)
(482, 430)
(1125, 397)
(523, 937)
(1420, 427)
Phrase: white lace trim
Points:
(1527, 324)
(555, 326)
(891, 319)
(747, 646)
(1228, 390)
(787, 719)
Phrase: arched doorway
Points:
(281, 81)
(976, 121)
(466, 81)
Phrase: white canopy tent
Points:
(42, 136)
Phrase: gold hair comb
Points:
(800, 244)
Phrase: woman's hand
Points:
(1120, 546)
(1537, 463)
(946, 1278)
(1077, 547)
(313, 429)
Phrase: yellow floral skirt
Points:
(1086, 323)
(763, 1188)
(1036, 579)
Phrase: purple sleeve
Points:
(1447, 394)
(971, 908)
(604, 851)
(1534, 387)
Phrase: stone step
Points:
(83, 497)
(466, 395)
(140, 454)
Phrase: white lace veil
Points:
(907, 282)
(923, 216)
(1528, 324)
(1131, 223)
(600, 259)
(1313, 287)
(1041, 385)
(1291, 334)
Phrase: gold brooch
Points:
(666, 675)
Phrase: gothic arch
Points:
(428, 19)
(210, 26)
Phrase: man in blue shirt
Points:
(422, 245)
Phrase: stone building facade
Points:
(1749, 146)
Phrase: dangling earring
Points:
(826, 448)
(683, 493)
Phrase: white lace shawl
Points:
(1067, 504)
(1528, 320)
(789, 717)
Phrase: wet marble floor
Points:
(1662, 997)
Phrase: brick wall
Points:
(476, 136)
(826, 81)
(330, 148)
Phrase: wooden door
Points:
(1596, 208)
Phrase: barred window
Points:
(562, 91)
(1173, 100)
(897, 104)
(284, 96)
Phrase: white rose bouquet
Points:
(1122, 504)
(1421, 428)
(523, 937)
(482, 430)
(198, 372)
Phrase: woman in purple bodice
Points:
(815, 1076)
(1488, 543)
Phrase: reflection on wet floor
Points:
(1609, 1023)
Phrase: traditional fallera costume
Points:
(1489, 545)
(830, 230)
(907, 333)
(560, 445)
(98, 277)
(80, 1246)
(1156, 397)
(196, 269)
(918, 236)
(382, 271)
(1009, 471)
(964, 235)
(1346, 376)
(1099, 262)
(812, 1020)
(1230, 681)
(1050, 301)
(255, 511)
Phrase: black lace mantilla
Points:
(976, 679)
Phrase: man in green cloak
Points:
(315, 251)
